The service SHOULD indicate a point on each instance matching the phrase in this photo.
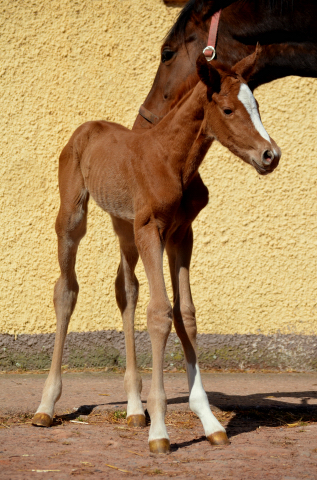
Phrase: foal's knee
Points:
(159, 319)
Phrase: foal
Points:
(149, 184)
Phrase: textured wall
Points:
(65, 62)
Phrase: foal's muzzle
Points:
(268, 162)
(267, 158)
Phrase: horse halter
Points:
(149, 116)
(209, 52)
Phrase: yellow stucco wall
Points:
(67, 61)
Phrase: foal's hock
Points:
(149, 184)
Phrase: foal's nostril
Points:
(267, 157)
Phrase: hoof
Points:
(136, 421)
(218, 438)
(42, 420)
(159, 446)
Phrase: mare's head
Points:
(183, 44)
(188, 37)
(231, 113)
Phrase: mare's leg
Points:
(159, 321)
(70, 228)
(179, 250)
(127, 289)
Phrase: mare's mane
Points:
(198, 11)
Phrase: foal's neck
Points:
(181, 134)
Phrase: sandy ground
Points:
(271, 420)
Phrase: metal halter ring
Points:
(209, 49)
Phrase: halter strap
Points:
(149, 116)
(210, 50)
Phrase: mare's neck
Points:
(181, 134)
(286, 33)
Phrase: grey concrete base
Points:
(107, 349)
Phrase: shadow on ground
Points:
(248, 412)
(258, 410)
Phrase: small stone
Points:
(306, 454)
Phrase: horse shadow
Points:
(248, 412)
(82, 410)
(271, 409)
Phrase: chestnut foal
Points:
(149, 184)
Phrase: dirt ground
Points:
(271, 421)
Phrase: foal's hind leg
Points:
(179, 254)
(127, 289)
(70, 228)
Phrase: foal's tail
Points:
(74, 196)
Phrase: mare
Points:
(149, 183)
(285, 29)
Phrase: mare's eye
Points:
(167, 55)
(228, 112)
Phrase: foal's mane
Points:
(190, 83)
(184, 88)
(200, 12)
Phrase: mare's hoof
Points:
(218, 438)
(159, 446)
(42, 420)
(136, 420)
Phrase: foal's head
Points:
(232, 114)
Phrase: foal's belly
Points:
(119, 206)
(108, 187)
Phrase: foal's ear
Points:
(208, 74)
(246, 66)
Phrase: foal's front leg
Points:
(159, 321)
(179, 255)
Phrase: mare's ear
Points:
(246, 66)
(209, 7)
(208, 74)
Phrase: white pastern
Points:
(51, 394)
(135, 406)
(246, 97)
(198, 402)
(158, 429)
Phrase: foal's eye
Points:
(167, 55)
(228, 112)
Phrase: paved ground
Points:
(271, 420)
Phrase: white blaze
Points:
(246, 97)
